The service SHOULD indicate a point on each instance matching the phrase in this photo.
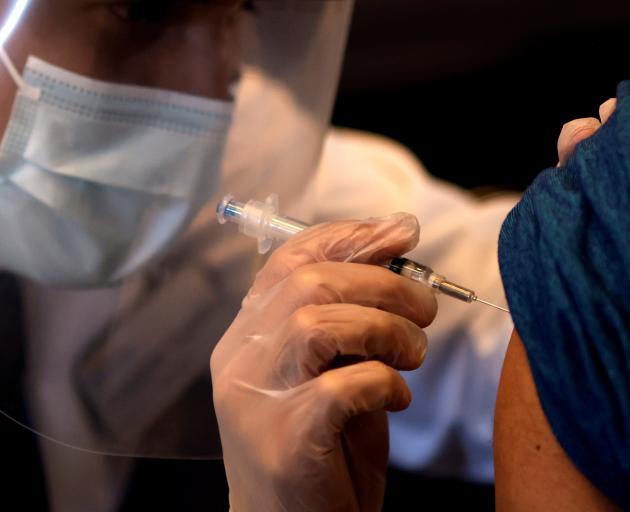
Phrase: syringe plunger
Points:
(259, 220)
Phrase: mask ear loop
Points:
(22, 85)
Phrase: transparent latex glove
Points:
(304, 375)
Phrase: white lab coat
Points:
(447, 430)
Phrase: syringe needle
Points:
(263, 222)
(490, 304)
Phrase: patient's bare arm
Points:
(533, 473)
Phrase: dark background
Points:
(479, 90)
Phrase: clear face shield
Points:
(123, 124)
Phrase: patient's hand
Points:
(576, 131)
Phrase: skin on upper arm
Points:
(533, 473)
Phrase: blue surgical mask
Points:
(97, 178)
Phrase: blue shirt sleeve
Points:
(564, 254)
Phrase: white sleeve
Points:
(448, 428)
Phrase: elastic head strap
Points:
(5, 31)
(22, 85)
(10, 67)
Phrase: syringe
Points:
(261, 220)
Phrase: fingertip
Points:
(377, 239)
(433, 308)
(364, 387)
(405, 225)
(422, 347)
(398, 394)
(406, 221)
(572, 134)
(583, 129)
(607, 109)
(428, 308)
(401, 398)
(417, 350)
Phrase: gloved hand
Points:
(577, 130)
(302, 428)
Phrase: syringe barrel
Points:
(262, 221)
(456, 291)
(411, 269)
(425, 275)
(283, 228)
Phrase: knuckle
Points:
(306, 319)
(311, 340)
(305, 279)
(387, 375)
(278, 260)
(217, 362)
(220, 400)
(214, 365)
(276, 256)
(308, 282)
(329, 388)
(220, 394)
(294, 361)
